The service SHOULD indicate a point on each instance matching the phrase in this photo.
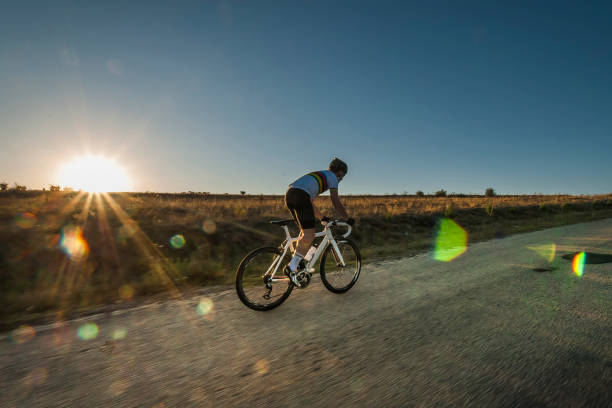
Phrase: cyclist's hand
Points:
(325, 219)
(350, 221)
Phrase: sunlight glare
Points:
(95, 174)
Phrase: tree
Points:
(420, 194)
(53, 187)
(3, 186)
(243, 192)
(19, 187)
(441, 193)
(489, 192)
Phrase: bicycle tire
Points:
(245, 297)
(331, 286)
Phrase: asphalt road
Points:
(483, 330)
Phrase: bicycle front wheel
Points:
(254, 285)
(338, 278)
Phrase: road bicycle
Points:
(261, 283)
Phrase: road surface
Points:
(482, 330)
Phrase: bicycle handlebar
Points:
(333, 223)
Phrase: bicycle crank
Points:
(303, 278)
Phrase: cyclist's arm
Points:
(333, 194)
(316, 211)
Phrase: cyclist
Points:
(299, 201)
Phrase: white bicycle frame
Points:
(290, 243)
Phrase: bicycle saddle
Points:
(281, 223)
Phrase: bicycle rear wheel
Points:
(255, 289)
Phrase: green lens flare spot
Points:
(546, 251)
(578, 263)
(204, 306)
(177, 241)
(88, 331)
(451, 241)
(119, 334)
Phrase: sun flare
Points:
(95, 174)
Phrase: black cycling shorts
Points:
(299, 205)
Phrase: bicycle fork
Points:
(337, 255)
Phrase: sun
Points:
(95, 174)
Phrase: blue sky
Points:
(224, 96)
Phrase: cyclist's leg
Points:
(300, 206)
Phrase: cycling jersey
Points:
(316, 183)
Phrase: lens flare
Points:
(204, 306)
(451, 241)
(578, 263)
(124, 232)
(73, 243)
(209, 227)
(126, 292)
(546, 251)
(23, 334)
(177, 241)
(119, 387)
(26, 220)
(88, 331)
(119, 334)
(262, 366)
(36, 377)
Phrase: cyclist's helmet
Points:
(338, 165)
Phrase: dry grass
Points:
(233, 207)
(129, 235)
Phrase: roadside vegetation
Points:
(63, 253)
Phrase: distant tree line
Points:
(4, 187)
(489, 192)
(16, 187)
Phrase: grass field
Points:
(64, 253)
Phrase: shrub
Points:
(489, 209)
(489, 192)
(3, 186)
(440, 193)
(54, 187)
(19, 187)
(420, 194)
(448, 211)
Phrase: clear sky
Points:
(224, 96)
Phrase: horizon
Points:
(448, 194)
(231, 96)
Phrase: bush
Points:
(489, 210)
(448, 211)
(420, 194)
(440, 193)
(3, 186)
(54, 188)
(19, 187)
(489, 192)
